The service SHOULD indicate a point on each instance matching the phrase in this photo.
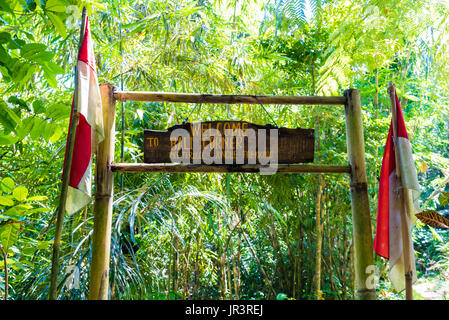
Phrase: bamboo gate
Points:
(105, 168)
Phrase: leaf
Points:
(20, 193)
(38, 128)
(17, 101)
(38, 106)
(5, 58)
(58, 111)
(281, 296)
(57, 22)
(30, 49)
(5, 120)
(433, 219)
(52, 67)
(9, 234)
(26, 127)
(5, 37)
(56, 135)
(18, 211)
(37, 198)
(4, 201)
(17, 43)
(55, 5)
(42, 57)
(444, 199)
(6, 140)
(51, 79)
(7, 184)
(5, 109)
(5, 6)
(43, 244)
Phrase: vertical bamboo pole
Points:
(405, 200)
(66, 175)
(361, 224)
(104, 181)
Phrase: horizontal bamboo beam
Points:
(247, 168)
(225, 99)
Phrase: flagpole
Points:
(66, 175)
(405, 203)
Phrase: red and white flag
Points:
(89, 131)
(388, 241)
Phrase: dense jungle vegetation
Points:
(220, 236)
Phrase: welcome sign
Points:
(228, 142)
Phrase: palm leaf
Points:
(433, 219)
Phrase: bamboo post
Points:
(66, 177)
(405, 201)
(104, 181)
(361, 221)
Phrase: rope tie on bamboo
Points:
(197, 104)
(366, 290)
(261, 104)
(359, 186)
(102, 196)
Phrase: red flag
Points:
(388, 240)
(89, 131)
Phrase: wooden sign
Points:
(228, 142)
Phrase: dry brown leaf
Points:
(433, 219)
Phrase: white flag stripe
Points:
(76, 200)
(397, 269)
(408, 172)
(90, 100)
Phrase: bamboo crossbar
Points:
(226, 99)
(247, 168)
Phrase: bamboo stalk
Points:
(225, 99)
(228, 271)
(223, 285)
(185, 267)
(104, 181)
(5, 264)
(361, 220)
(329, 251)
(342, 246)
(235, 277)
(175, 262)
(300, 242)
(53, 295)
(174, 167)
(405, 201)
